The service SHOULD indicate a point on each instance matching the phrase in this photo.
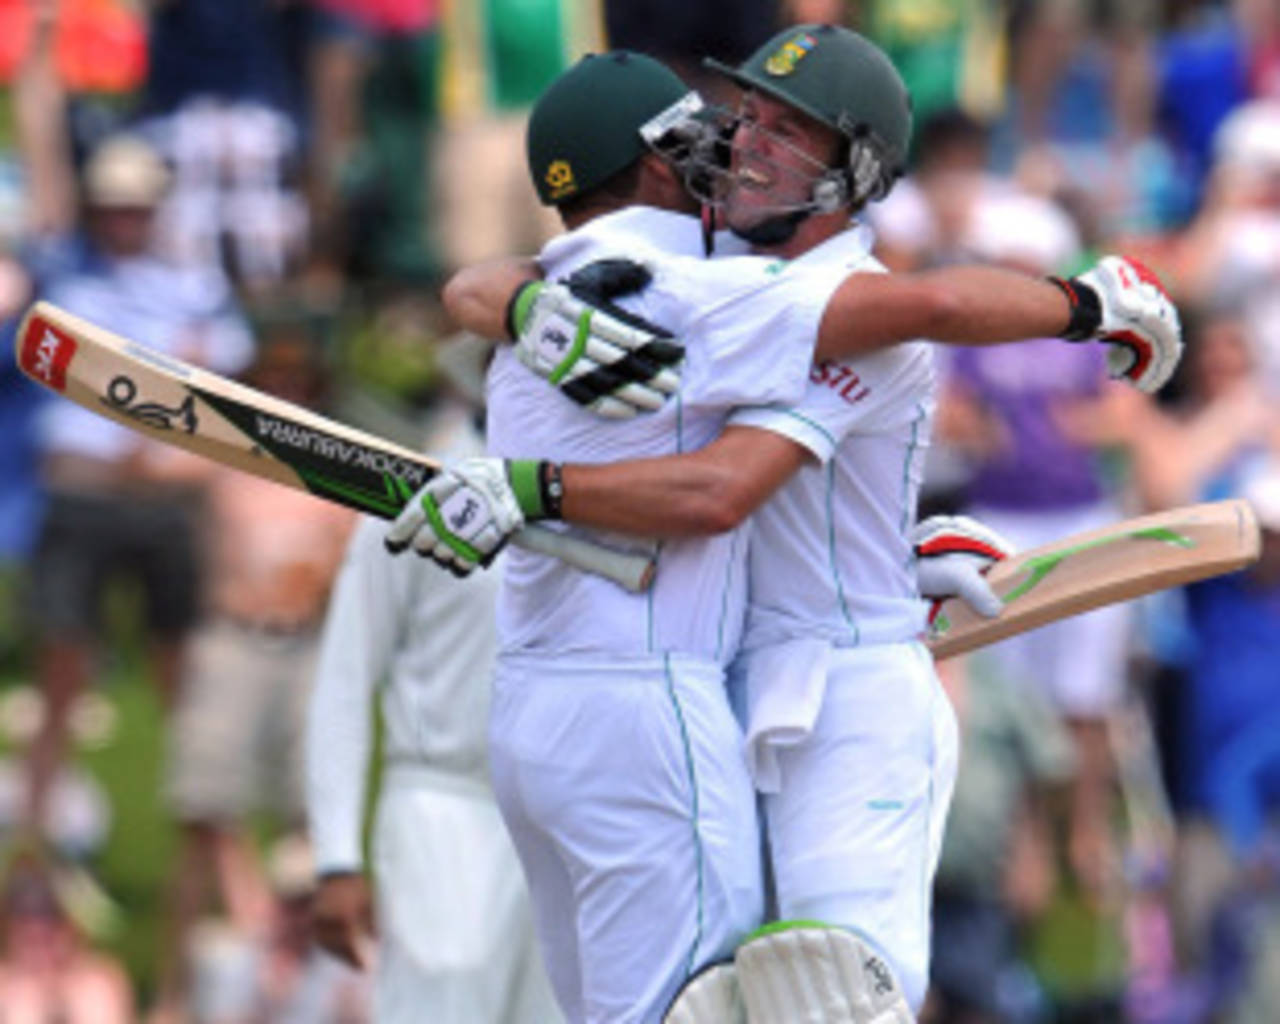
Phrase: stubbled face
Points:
(776, 155)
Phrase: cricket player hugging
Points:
(619, 767)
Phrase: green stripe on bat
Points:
(387, 504)
(1042, 565)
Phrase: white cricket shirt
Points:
(830, 558)
(424, 642)
(749, 326)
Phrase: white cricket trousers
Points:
(855, 829)
(456, 942)
(625, 789)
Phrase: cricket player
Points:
(820, 627)
(451, 940)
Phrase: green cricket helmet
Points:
(846, 82)
(598, 117)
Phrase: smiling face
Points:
(777, 154)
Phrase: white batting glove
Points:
(464, 514)
(604, 358)
(1123, 304)
(952, 553)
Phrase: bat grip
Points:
(632, 571)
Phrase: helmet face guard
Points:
(687, 135)
(806, 184)
(841, 80)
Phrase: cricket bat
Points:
(1088, 570)
(238, 426)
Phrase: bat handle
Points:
(630, 570)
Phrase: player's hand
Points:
(464, 514)
(952, 554)
(608, 360)
(342, 918)
(1121, 303)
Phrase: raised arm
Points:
(569, 334)
(40, 117)
(963, 305)
(1118, 302)
(710, 490)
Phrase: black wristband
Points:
(551, 489)
(1086, 309)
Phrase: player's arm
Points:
(464, 515)
(1117, 302)
(478, 297)
(356, 645)
(707, 491)
(961, 305)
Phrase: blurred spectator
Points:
(1229, 873)
(922, 221)
(236, 743)
(1229, 257)
(35, 195)
(952, 56)
(997, 868)
(77, 812)
(47, 973)
(1079, 123)
(1028, 416)
(21, 493)
(108, 516)
(461, 953)
(1214, 58)
(1243, 784)
(373, 68)
(276, 976)
(223, 102)
(1210, 446)
(498, 57)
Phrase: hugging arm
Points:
(1117, 302)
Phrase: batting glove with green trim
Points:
(464, 514)
(607, 360)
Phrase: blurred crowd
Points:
(275, 189)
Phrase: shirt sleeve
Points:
(357, 644)
(880, 391)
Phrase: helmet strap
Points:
(708, 216)
(774, 230)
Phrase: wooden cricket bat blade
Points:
(1100, 567)
(238, 426)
